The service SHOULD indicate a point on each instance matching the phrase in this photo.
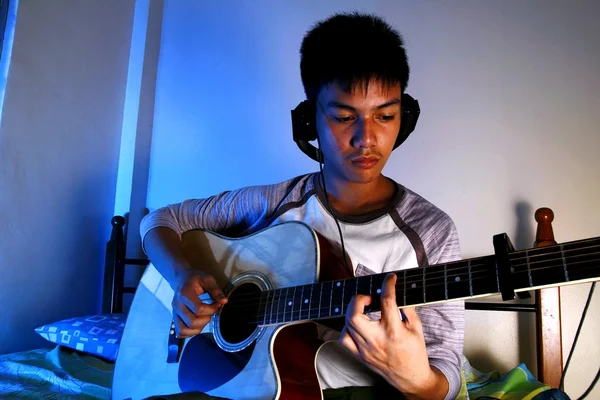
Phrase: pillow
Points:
(98, 335)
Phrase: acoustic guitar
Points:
(262, 343)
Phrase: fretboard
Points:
(530, 269)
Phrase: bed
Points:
(84, 370)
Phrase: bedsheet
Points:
(59, 373)
(54, 373)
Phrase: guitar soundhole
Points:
(238, 318)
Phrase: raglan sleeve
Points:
(227, 213)
(444, 323)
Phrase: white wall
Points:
(509, 123)
(59, 150)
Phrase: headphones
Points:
(304, 125)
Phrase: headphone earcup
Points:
(304, 122)
(408, 122)
(304, 129)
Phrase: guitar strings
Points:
(450, 273)
(284, 299)
(274, 317)
(481, 268)
(279, 300)
(545, 252)
(252, 298)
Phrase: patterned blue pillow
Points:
(99, 335)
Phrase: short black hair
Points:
(352, 48)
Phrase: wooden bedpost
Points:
(114, 268)
(549, 335)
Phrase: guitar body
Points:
(251, 349)
(278, 362)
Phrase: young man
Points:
(354, 70)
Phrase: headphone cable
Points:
(320, 154)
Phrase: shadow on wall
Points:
(91, 208)
(524, 239)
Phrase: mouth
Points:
(365, 162)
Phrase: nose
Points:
(364, 134)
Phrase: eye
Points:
(387, 118)
(343, 119)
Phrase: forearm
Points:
(163, 247)
(436, 387)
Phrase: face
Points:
(357, 130)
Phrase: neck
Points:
(356, 198)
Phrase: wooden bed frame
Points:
(546, 302)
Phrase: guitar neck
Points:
(567, 263)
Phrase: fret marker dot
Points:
(290, 303)
(305, 301)
(512, 270)
(337, 310)
(414, 285)
(378, 291)
(457, 279)
(338, 284)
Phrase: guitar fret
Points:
(284, 304)
(315, 301)
(337, 298)
(349, 293)
(423, 273)
(404, 286)
(330, 300)
(297, 301)
(272, 306)
(436, 286)
(446, 281)
(528, 268)
(343, 290)
(326, 299)
(292, 305)
(280, 291)
(265, 307)
(562, 254)
(470, 280)
(457, 280)
(320, 297)
(310, 300)
(289, 303)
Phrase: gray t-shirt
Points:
(409, 232)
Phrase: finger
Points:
(412, 320)
(197, 307)
(347, 341)
(190, 320)
(182, 331)
(358, 335)
(389, 307)
(209, 285)
(357, 305)
(356, 320)
(188, 297)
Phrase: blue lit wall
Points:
(59, 152)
